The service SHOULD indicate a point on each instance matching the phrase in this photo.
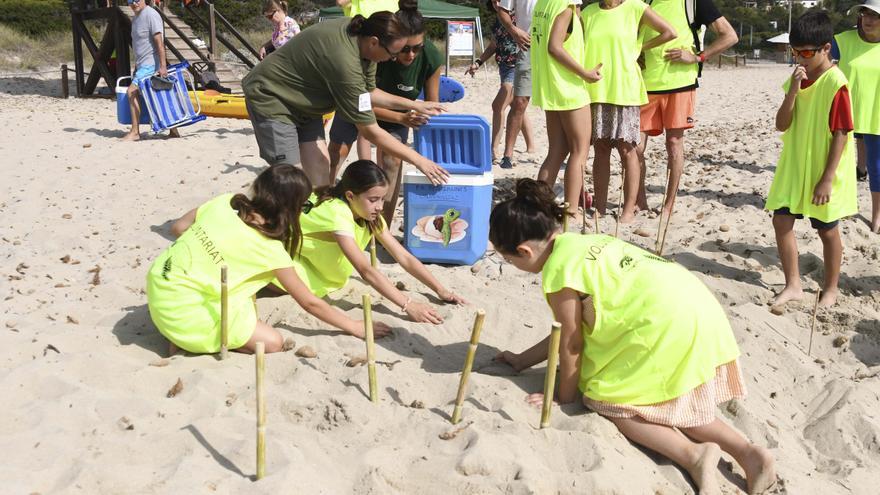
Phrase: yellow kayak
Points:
(225, 106)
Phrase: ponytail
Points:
(382, 25)
(532, 214)
(410, 19)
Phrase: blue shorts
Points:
(872, 159)
(142, 73)
(506, 72)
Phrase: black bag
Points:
(160, 83)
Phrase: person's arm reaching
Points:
(181, 224)
(490, 49)
(415, 268)
(319, 308)
(380, 137)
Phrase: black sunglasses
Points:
(412, 48)
(307, 206)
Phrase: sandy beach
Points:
(85, 373)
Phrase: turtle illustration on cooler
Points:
(443, 223)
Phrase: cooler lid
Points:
(485, 179)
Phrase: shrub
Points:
(35, 17)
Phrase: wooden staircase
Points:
(177, 48)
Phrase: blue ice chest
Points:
(448, 223)
(459, 143)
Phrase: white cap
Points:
(869, 4)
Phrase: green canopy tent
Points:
(433, 9)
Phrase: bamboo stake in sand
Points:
(620, 202)
(371, 347)
(565, 217)
(373, 251)
(813, 322)
(224, 314)
(660, 228)
(261, 411)
(596, 219)
(550, 377)
(584, 210)
(468, 363)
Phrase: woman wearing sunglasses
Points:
(331, 67)
(255, 238)
(284, 27)
(417, 67)
(858, 54)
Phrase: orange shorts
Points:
(668, 111)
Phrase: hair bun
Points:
(356, 25)
(408, 5)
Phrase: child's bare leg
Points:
(557, 149)
(700, 460)
(756, 461)
(578, 138)
(788, 254)
(642, 198)
(833, 252)
(528, 135)
(629, 159)
(601, 174)
(675, 163)
(875, 212)
(265, 334)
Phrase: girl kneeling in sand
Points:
(255, 238)
(339, 227)
(644, 341)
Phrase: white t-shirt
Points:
(523, 10)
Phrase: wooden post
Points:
(660, 225)
(468, 364)
(224, 314)
(373, 261)
(565, 217)
(371, 347)
(620, 203)
(550, 376)
(584, 210)
(813, 322)
(212, 30)
(261, 411)
(65, 87)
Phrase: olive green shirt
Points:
(318, 71)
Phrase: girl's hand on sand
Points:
(799, 74)
(822, 193)
(450, 297)
(537, 399)
(595, 74)
(423, 313)
(681, 56)
(429, 107)
(509, 358)
(379, 329)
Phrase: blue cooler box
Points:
(448, 223)
(458, 143)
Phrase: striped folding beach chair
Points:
(172, 107)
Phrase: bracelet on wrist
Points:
(479, 62)
(408, 300)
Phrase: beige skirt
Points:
(694, 408)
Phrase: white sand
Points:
(85, 412)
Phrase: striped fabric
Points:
(172, 107)
(695, 408)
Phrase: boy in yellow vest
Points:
(815, 174)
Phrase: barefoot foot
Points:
(628, 216)
(131, 137)
(760, 468)
(789, 293)
(173, 133)
(172, 349)
(828, 298)
(704, 466)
